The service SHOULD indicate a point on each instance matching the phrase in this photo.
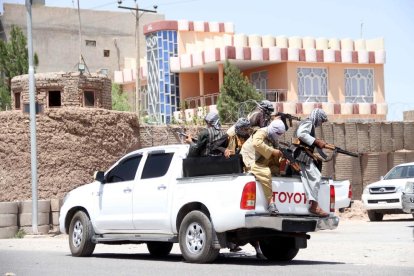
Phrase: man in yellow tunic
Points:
(260, 152)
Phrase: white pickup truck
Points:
(146, 197)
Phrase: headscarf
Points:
(318, 116)
(266, 106)
(242, 127)
(212, 118)
(275, 130)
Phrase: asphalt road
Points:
(356, 247)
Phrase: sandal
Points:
(272, 209)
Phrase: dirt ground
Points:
(357, 212)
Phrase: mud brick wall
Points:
(71, 144)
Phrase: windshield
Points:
(400, 172)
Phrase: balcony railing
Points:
(274, 95)
(200, 101)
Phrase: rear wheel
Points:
(279, 249)
(80, 235)
(196, 238)
(159, 249)
(375, 216)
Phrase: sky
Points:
(391, 19)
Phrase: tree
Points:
(236, 95)
(13, 61)
(119, 99)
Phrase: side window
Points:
(125, 170)
(157, 165)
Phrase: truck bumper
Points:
(408, 203)
(291, 223)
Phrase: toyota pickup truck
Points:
(158, 196)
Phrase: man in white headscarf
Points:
(310, 173)
(261, 150)
(207, 137)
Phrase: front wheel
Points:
(196, 238)
(375, 216)
(80, 235)
(279, 249)
(159, 249)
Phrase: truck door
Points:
(115, 199)
(150, 203)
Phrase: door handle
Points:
(162, 187)
(127, 190)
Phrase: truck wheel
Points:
(374, 216)
(279, 249)
(196, 238)
(159, 249)
(80, 235)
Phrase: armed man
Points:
(303, 154)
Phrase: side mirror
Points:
(381, 177)
(99, 176)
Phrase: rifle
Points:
(336, 149)
(181, 133)
(286, 116)
(288, 154)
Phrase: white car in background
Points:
(384, 197)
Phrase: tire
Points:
(374, 216)
(159, 249)
(80, 235)
(279, 249)
(196, 238)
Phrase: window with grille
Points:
(312, 84)
(259, 80)
(359, 85)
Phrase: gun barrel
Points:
(347, 152)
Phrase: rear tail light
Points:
(350, 192)
(332, 198)
(248, 198)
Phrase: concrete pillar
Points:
(201, 81)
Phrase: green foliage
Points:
(5, 98)
(119, 99)
(236, 90)
(13, 62)
(20, 234)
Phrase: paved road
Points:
(356, 247)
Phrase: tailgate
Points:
(290, 197)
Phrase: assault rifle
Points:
(181, 133)
(288, 155)
(335, 149)
(289, 117)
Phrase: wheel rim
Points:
(77, 234)
(195, 238)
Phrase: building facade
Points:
(107, 42)
(185, 64)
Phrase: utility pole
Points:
(137, 61)
(33, 150)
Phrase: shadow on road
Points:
(223, 258)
